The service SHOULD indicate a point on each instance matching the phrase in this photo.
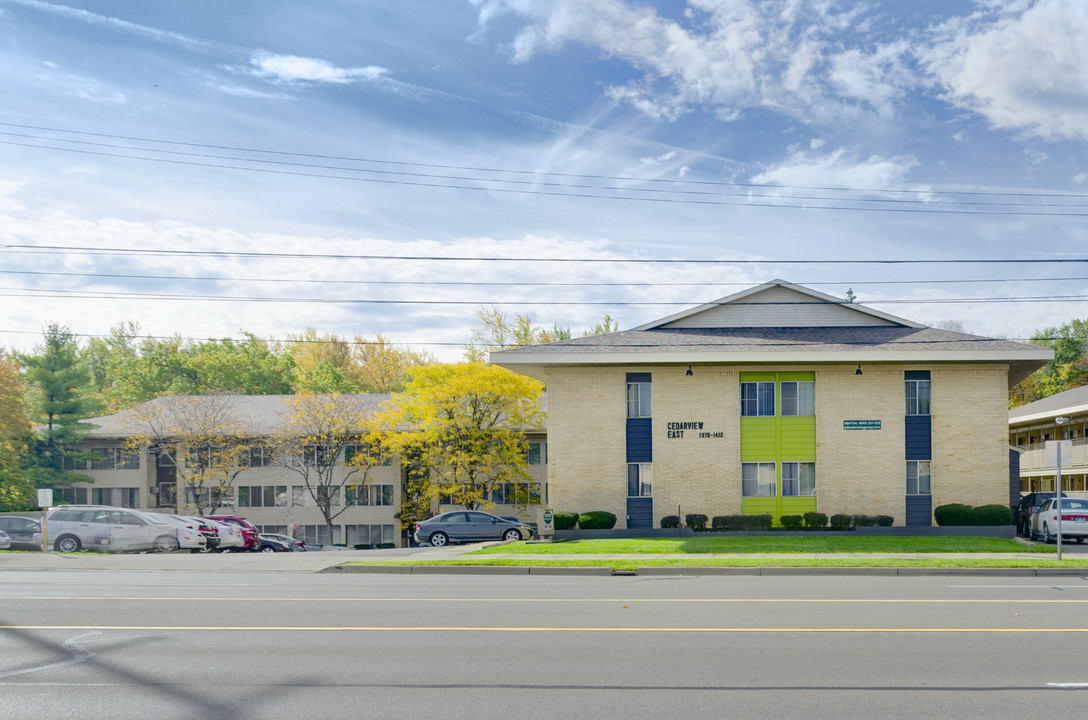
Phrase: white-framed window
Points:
(118, 497)
(757, 479)
(798, 398)
(260, 456)
(798, 479)
(638, 400)
(368, 535)
(516, 494)
(918, 478)
(640, 480)
(317, 534)
(917, 397)
(757, 399)
(368, 495)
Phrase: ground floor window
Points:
(118, 497)
(210, 497)
(277, 529)
(317, 534)
(262, 496)
(70, 496)
(368, 535)
(639, 480)
(757, 479)
(918, 480)
(798, 479)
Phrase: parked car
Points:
(1028, 506)
(292, 543)
(107, 528)
(5, 540)
(188, 535)
(272, 544)
(469, 526)
(228, 536)
(1044, 523)
(23, 531)
(207, 529)
(250, 541)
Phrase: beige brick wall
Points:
(858, 471)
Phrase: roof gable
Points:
(778, 304)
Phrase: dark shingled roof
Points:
(770, 339)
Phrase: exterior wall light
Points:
(858, 371)
(689, 372)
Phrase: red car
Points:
(249, 533)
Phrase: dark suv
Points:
(1029, 504)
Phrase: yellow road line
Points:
(627, 601)
(454, 628)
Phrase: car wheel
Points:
(1078, 540)
(166, 543)
(67, 543)
(268, 548)
(439, 539)
(512, 534)
(1047, 539)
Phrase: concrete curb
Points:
(710, 570)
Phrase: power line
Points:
(526, 283)
(536, 173)
(122, 295)
(88, 250)
(747, 202)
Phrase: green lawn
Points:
(772, 544)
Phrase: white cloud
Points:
(726, 55)
(294, 69)
(838, 169)
(1023, 67)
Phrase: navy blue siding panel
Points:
(920, 510)
(640, 512)
(638, 377)
(919, 433)
(916, 375)
(1014, 478)
(639, 441)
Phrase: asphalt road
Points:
(226, 645)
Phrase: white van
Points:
(104, 528)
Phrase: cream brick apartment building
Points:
(1059, 417)
(270, 496)
(781, 400)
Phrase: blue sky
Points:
(745, 135)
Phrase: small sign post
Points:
(547, 526)
(45, 501)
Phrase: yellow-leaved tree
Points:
(203, 439)
(331, 444)
(464, 426)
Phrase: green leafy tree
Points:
(322, 362)
(465, 424)
(60, 399)
(16, 489)
(381, 366)
(1068, 369)
(605, 326)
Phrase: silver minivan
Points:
(110, 529)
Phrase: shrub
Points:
(884, 520)
(954, 514)
(565, 520)
(815, 520)
(670, 521)
(839, 521)
(363, 547)
(992, 515)
(864, 520)
(727, 523)
(596, 520)
(790, 522)
(696, 521)
(734, 523)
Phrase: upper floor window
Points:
(917, 397)
(798, 398)
(757, 399)
(638, 400)
(538, 453)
